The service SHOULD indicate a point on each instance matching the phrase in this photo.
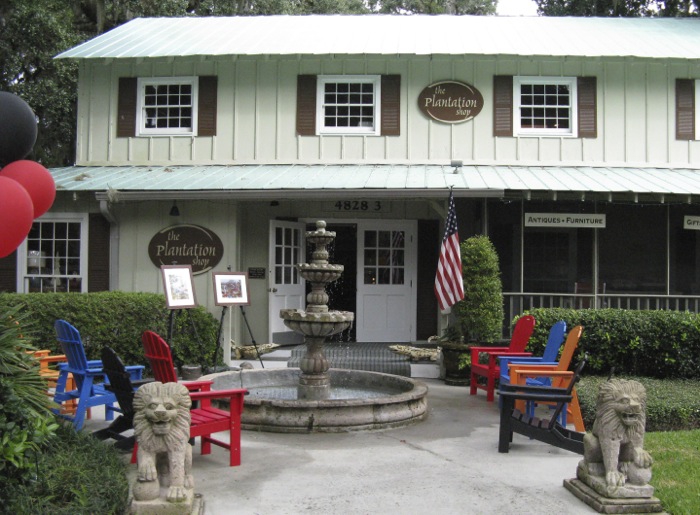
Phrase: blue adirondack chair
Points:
(549, 357)
(88, 375)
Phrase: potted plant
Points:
(478, 318)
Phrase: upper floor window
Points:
(361, 105)
(53, 258)
(348, 104)
(180, 106)
(167, 105)
(544, 106)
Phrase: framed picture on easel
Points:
(231, 288)
(179, 289)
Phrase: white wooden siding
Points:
(256, 121)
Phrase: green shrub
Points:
(480, 314)
(672, 404)
(661, 344)
(76, 474)
(118, 319)
(26, 422)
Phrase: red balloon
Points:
(36, 180)
(16, 215)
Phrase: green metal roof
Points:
(663, 38)
(397, 181)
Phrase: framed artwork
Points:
(179, 289)
(231, 288)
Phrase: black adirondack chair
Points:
(544, 430)
(123, 388)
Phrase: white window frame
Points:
(321, 82)
(571, 82)
(82, 218)
(142, 83)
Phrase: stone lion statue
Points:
(614, 454)
(162, 430)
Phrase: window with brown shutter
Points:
(685, 109)
(587, 107)
(544, 106)
(163, 119)
(348, 104)
(503, 105)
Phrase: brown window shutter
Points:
(8, 273)
(126, 108)
(206, 115)
(98, 253)
(306, 105)
(685, 109)
(587, 107)
(391, 105)
(503, 105)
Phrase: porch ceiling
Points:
(367, 181)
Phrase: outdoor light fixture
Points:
(174, 211)
(456, 163)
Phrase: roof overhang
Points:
(320, 182)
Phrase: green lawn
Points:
(676, 470)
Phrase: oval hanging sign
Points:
(186, 244)
(450, 101)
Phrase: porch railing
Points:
(516, 302)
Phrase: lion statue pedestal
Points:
(164, 483)
(614, 475)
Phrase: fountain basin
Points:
(317, 324)
(359, 401)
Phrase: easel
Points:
(218, 337)
(171, 326)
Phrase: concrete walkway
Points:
(448, 464)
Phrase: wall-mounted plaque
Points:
(186, 244)
(450, 101)
(256, 273)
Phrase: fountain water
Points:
(316, 397)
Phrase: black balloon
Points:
(18, 128)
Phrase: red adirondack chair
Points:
(159, 356)
(491, 370)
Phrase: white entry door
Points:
(286, 287)
(386, 278)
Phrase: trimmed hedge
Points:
(672, 404)
(117, 319)
(659, 344)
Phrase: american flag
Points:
(449, 288)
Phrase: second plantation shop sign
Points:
(186, 244)
(450, 101)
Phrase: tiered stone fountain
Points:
(317, 323)
(315, 397)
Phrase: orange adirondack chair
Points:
(491, 370)
(49, 372)
(555, 375)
